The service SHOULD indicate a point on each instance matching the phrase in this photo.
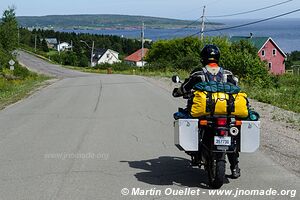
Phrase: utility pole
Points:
(92, 53)
(202, 24)
(92, 50)
(18, 37)
(35, 38)
(58, 48)
(143, 36)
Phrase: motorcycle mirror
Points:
(175, 79)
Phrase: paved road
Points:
(41, 66)
(89, 136)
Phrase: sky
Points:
(179, 9)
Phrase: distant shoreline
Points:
(104, 22)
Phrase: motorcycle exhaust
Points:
(234, 131)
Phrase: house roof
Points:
(258, 42)
(98, 53)
(63, 43)
(137, 56)
(51, 40)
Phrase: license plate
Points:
(224, 141)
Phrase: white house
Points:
(102, 56)
(63, 46)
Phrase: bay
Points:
(285, 32)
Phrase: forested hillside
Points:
(100, 21)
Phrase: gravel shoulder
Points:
(280, 130)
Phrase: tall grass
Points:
(285, 93)
(12, 90)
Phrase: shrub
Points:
(21, 72)
(116, 66)
(241, 58)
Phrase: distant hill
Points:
(101, 22)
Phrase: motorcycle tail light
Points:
(223, 132)
(221, 121)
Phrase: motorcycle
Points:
(209, 139)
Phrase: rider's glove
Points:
(176, 92)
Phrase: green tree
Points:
(83, 61)
(69, 58)
(44, 46)
(9, 30)
(241, 58)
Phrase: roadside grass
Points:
(52, 53)
(12, 91)
(285, 93)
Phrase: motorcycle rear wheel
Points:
(216, 173)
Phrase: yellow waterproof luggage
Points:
(219, 103)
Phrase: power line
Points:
(187, 26)
(247, 24)
(251, 11)
(213, 26)
(255, 22)
(198, 8)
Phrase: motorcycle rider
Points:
(210, 56)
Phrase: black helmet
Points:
(210, 53)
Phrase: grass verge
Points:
(12, 91)
(285, 93)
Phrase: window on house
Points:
(263, 53)
(270, 66)
(107, 55)
(274, 52)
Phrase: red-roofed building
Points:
(268, 51)
(136, 58)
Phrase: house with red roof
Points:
(137, 58)
(268, 51)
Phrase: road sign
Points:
(11, 62)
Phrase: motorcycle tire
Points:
(216, 173)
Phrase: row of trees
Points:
(81, 52)
(241, 58)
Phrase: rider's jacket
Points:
(211, 72)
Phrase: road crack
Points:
(99, 97)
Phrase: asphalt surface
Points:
(43, 67)
(89, 136)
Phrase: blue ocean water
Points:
(285, 32)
